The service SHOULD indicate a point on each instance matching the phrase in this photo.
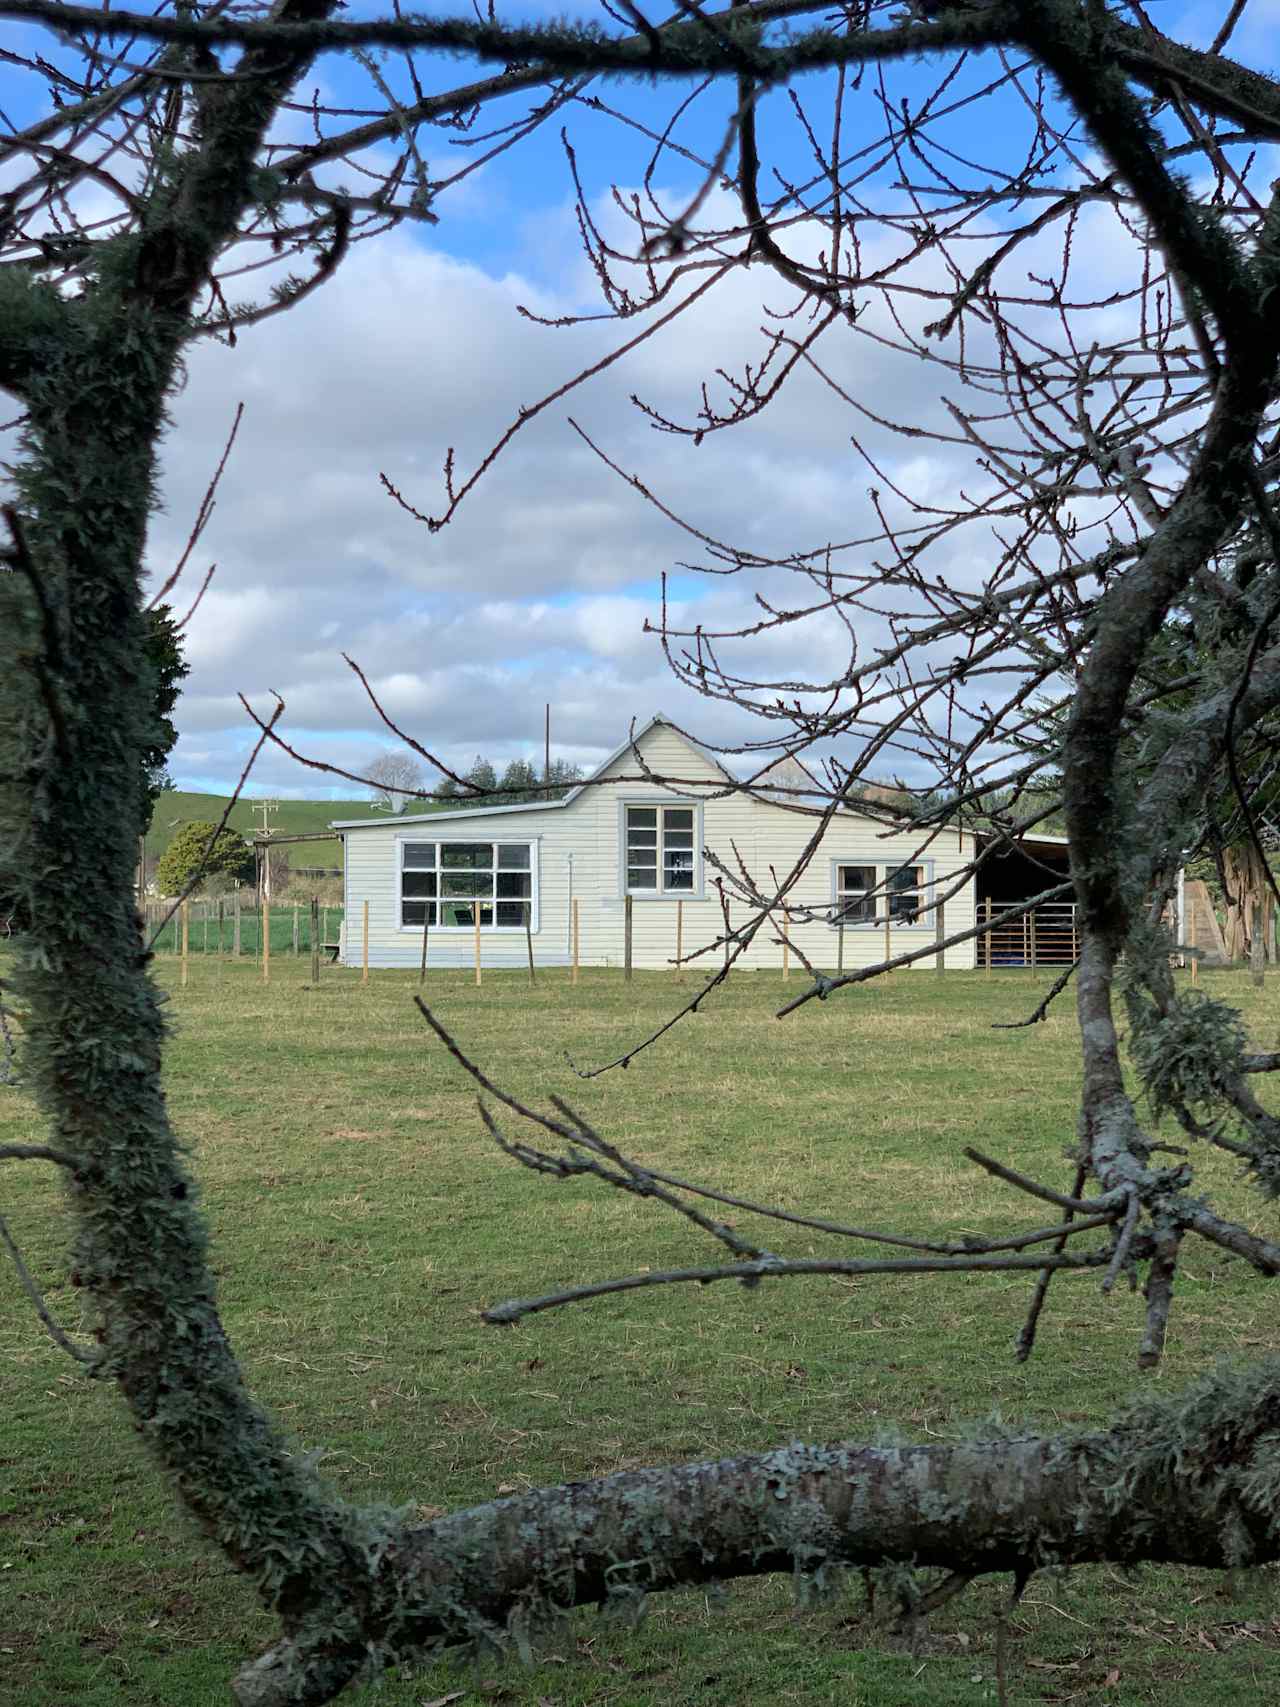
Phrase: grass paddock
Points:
(362, 1219)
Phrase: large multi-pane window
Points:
(660, 852)
(444, 884)
(865, 892)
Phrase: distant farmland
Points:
(291, 818)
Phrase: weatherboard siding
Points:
(578, 849)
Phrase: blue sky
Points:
(539, 590)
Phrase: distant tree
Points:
(519, 782)
(394, 776)
(560, 778)
(481, 776)
(227, 856)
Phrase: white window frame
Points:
(883, 869)
(662, 802)
(534, 845)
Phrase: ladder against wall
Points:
(1200, 928)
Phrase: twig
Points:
(513, 1309)
(1159, 1293)
(32, 1291)
(220, 826)
(1041, 1011)
(38, 1153)
(1025, 1342)
(629, 1177)
(824, 987)
(203, 513)
(1120, 1255)
(1089, 1206)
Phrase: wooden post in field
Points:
(264, 916)
(221, 915)
(1195, 965)
(528, 935)
(840, 949)
(235, 928)
(679, 936)
(364, 945)
(204, 908)
(426, 926)
(315, 939)
(1257, 953)
(887, 939)
(786, 954)
(940, 931)
(476, 910)
(626, 940)
(986, 938)
(1031, 936)
(186, 939)
(295, 929)
(575, 939)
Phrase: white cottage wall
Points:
(580, 853)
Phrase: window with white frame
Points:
(660, 852)
(444, 884)
(864, 893)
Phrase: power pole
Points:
(266, 807)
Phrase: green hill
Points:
(291, 818)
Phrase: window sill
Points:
(664, 895)
(464, 930)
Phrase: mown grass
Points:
(362, 1220)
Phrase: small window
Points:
(903, 888)
(865, 894)
(661, 854)
(854, 903)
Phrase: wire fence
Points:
(234, 929)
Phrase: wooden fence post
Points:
(475, 908)
(235, 928)
(786, 954)
(986, 936)
(888, 949)
(528, 935)
(940, 931)
(626, 939)
(679, 936)
(1031, 936)
(185, 938)
(1257, 954)
(426, 926)
(575, 939)
(221, 917)
(840, 949)
(315, 939)
(364, 946)
(295, 928)
(204, 910)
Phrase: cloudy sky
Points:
(538, 591)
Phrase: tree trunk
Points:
(1191, 1481)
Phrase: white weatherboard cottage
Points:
(607, 839)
